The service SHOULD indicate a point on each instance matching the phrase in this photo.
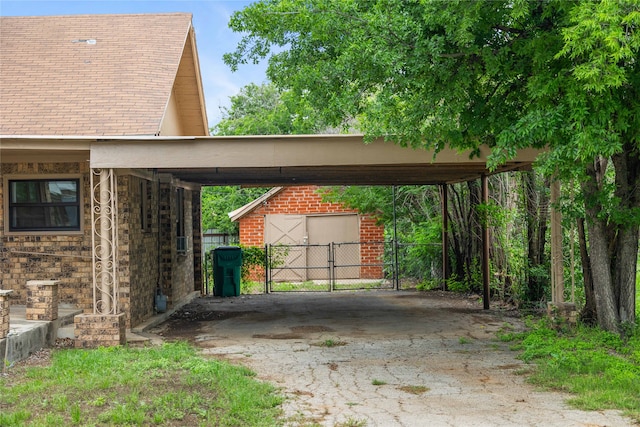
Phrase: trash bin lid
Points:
(227, 253)
(227, 248)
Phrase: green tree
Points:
(266, 110)
(256, 110)
(217, 202)
(417, 221)
(507, 73)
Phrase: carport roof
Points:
(276, 160)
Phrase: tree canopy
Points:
(507, 73)
(256, 110)
(266, 110)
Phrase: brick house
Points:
(297, 215)
(68, 83)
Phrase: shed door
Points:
(343, 230)
(287, 230)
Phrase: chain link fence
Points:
(344, 266)
(352, 265)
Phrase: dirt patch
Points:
(412, 358)
(297, 332)
(311, 328)
(203, 313)
(285, 336)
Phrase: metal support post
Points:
(444, 196)
(557, 274)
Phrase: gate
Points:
(329, 267)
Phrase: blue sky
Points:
(213, 36)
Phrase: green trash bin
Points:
(227, 262)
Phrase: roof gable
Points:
(251, 206)
(91, 74)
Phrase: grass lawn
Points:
(168, 385)
(600, 369)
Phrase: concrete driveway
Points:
(381, 358)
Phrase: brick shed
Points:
(297, 216)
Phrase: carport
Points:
(321, 160)
(261, 161)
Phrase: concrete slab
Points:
(28, 336)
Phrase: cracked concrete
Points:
(383, 358)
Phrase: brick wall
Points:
(5, 308)
(372, 248)
(196, 215)
(138, 253)
(140, 250)
(67, 257)
(63, 257)
(167, 231)
(304, 200)
(177, 272)
(183, 278)
(299, 200)
(252, 230)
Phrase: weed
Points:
(60, 402)
(414, 389)
(98, 401)
(464, 340)
(378, 382)
(76, 414)
(251, 287)
(19, 417)
(352, 422)
(330, 343)
(301, 420)
(429, 285)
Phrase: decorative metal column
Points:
(104, 240)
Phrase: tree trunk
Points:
(625, 255)
(456, 234)
(465, 232)
(537, 207)
(588, 315)
(474, 262)
(598, 244)
(624, 273)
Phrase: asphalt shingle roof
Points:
(88, 74)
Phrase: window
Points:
(44, 205)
